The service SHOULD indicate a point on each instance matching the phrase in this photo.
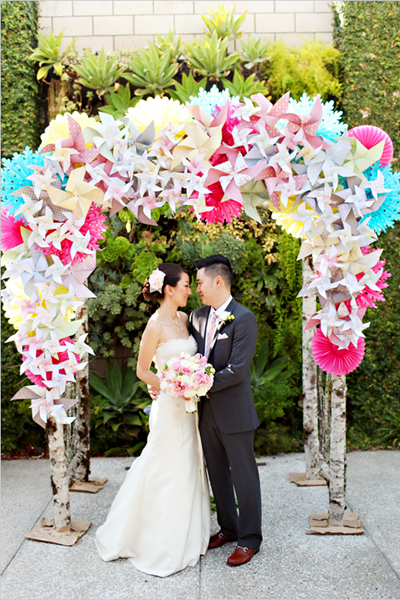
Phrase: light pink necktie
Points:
(212, 325)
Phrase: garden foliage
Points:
(170, 68)
(20, 97)
(368, 37)
(263, 280)
(267, 275)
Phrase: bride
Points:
(160, 518)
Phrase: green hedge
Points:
(21, 100)
(368, 35)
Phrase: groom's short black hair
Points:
(215, 265)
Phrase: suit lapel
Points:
(202, 321)
(229, 308)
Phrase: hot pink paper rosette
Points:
(333, 360)
(10, 231)
(370, 136)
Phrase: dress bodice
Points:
(173, 348)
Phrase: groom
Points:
(226, 333)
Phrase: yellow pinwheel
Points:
(78, 195)
(360, 158)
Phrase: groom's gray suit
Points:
(227, 422)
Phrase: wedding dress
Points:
(160, 518)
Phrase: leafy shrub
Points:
(122, 400)
(368, 35)
(312, 68)
(20, 96)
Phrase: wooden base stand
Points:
(319, 525)
(92, 486)
(67, 536)
(300, 480)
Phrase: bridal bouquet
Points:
(187, 377)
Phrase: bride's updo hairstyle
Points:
(173, 274)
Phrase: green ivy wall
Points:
(20, 97)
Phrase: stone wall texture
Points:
(125, 24)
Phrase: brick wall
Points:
(124, 24)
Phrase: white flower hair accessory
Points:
(156, 281)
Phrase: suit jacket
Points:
(230, 396)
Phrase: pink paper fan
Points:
(10, 231)
(62, 357)
(333, 360)
(370, 136)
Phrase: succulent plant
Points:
(49, 54)
(188, 87)
(99, 72)
(207, 56)
(152, 72)
(223, 22)
(254, 52)
(118, 102)
(168, 42)
(242, 87)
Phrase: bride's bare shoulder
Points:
(184, 317)
(153, 325)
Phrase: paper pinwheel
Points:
(78, 195)
(73, 146)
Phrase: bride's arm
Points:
(148, 345)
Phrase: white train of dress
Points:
(160, 517)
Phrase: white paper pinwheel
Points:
(45, 402)
(254, 193)
(233, 176)
(197, 142)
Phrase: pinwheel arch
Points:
(216, 158)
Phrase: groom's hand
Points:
(154, 392)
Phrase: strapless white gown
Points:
(160, 518)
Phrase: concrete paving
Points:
(290, 565)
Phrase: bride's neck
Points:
(169, 307)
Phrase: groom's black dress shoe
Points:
(241, 556)
(219, 539)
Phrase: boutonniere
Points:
(226, 317)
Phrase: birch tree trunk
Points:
(324, 412)
(337, 484)
(82, 471)
(59, 476)
(310, 402)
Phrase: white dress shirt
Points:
(219, 312)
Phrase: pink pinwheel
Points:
(334, 360)
(76, 142)
(142, 207)
(221, 210)
(77, 274)
(42, 363)
(269, 114)
(370, 136)
(368, 297)
(233, 175)
(11, 235)
(94, 224)
(305, 127)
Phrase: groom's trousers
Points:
(232, 468)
